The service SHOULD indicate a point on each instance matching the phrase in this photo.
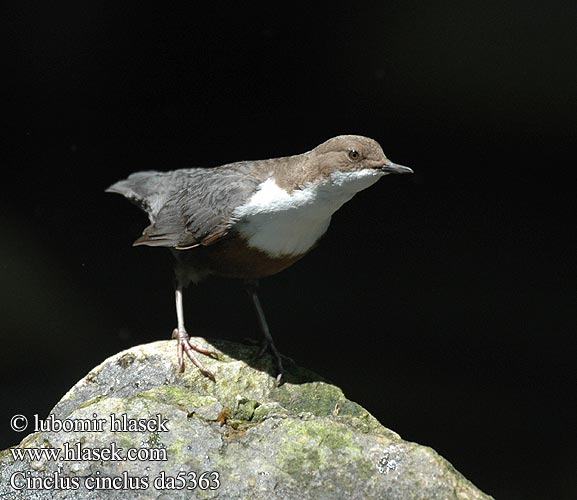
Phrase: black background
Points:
(443, 302)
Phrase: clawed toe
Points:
(269, 346)
(184, 345)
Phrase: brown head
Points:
(346, 153)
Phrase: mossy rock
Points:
(239, 438)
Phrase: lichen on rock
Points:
(239, 438)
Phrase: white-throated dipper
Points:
(250, 219)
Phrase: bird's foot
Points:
(184, 345)
(268, 345)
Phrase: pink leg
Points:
(183, 343)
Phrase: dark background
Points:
(443, 302)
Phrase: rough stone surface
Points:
(303, 440)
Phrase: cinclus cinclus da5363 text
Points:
(250, 219)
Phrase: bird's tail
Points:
(147, 190)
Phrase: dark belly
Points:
(232, 258)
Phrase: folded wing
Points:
(188, 207)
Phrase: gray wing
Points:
(188, 207)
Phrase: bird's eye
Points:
(354, 154)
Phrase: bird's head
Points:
(355, 155)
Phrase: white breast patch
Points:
(284, 224)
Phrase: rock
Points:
(238, 438)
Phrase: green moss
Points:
(176, 449)
(153, 440)
(320, 399)
(90, 402)
(268, 410)
(314, 445)
(176, 395)
(244, 410)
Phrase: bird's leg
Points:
(183, 343)
(268, 343)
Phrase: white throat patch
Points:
(283, 224)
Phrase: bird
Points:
(250, 219)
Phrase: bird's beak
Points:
(393, 168)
